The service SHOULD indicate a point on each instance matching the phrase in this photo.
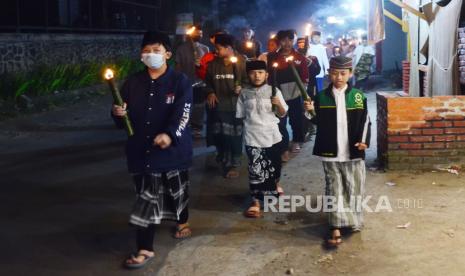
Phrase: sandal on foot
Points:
(280, 190)
(285, 157)
(334, 240)
(232, 173)
(253, 211)
(182, 232)
(296, 148)
(133, 263)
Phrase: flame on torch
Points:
(273, 36)
(289, 58)
(275, 65)
(233, 59)
(249, 44)
(308, 29)
(109, 74)
(190, 31)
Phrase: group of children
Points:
(242, 108)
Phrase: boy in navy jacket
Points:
(158, 101)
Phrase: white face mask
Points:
(153, 60)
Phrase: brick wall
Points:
(419, 133)
(405, 75)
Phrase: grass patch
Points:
(45, 80)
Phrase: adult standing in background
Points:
(188, 57)
(319, 51)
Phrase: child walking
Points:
(261, 134)
(341, 148)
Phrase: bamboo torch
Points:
(300, 85)
(251, 46)
(233, 60)
(109, 76)
(274, 83)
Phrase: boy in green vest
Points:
(343, 133)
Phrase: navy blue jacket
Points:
(158, 106)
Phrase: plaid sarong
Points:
(160, 196)
(346, 182)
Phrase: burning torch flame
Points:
(289, 58)
(308, 29)
(275, 65)
(190, 31)
(233, 59)
(249, 44)
(273, 36)
(109, 74)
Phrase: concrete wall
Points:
(420, 133)
(23, 52)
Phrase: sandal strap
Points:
(253, 209)
(145, 255)
(135, 256)
(180, 229)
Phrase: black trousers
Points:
(145, 235)
(296, 120)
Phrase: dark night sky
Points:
(269, 16)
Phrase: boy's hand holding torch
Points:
(277, 106)
(309, 107)
(119, 108)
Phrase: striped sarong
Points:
(345, 181)
(160, 196)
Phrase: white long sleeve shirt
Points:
(260, 122)
(319, 51)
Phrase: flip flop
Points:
(296, 149)
(136, 265)
(231, 174)
(253, 212)
(333, 241)
(280, 190)
(285, 158)
(179, 232)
